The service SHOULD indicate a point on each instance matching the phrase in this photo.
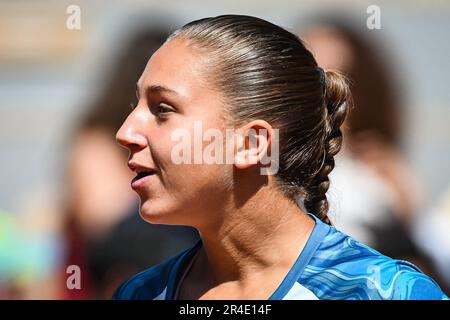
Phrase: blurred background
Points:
(67, 78)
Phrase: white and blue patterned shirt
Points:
(332, 265)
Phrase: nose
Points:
(130, 136)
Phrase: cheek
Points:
(192, 176)
(186, 141)
(160, 147)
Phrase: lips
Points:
(143, 174)
(141, 179)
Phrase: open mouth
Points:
(143, 174)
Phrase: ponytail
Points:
(336, 97)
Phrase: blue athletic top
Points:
(332, 265)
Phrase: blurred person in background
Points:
(378, 192)
(106, 237)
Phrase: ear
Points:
(253, 142)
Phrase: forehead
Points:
(175, 65)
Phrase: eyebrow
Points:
(157, 89)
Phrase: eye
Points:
(161, 110)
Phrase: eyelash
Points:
(157, 107)
(161, 107)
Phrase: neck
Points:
(264, 234)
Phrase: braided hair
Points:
(336, 94)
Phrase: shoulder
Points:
(343, 268)
(409, 283)
(152, 283)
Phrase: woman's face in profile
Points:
(173, 94)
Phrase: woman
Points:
(262, 235)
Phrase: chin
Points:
(157, 213)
